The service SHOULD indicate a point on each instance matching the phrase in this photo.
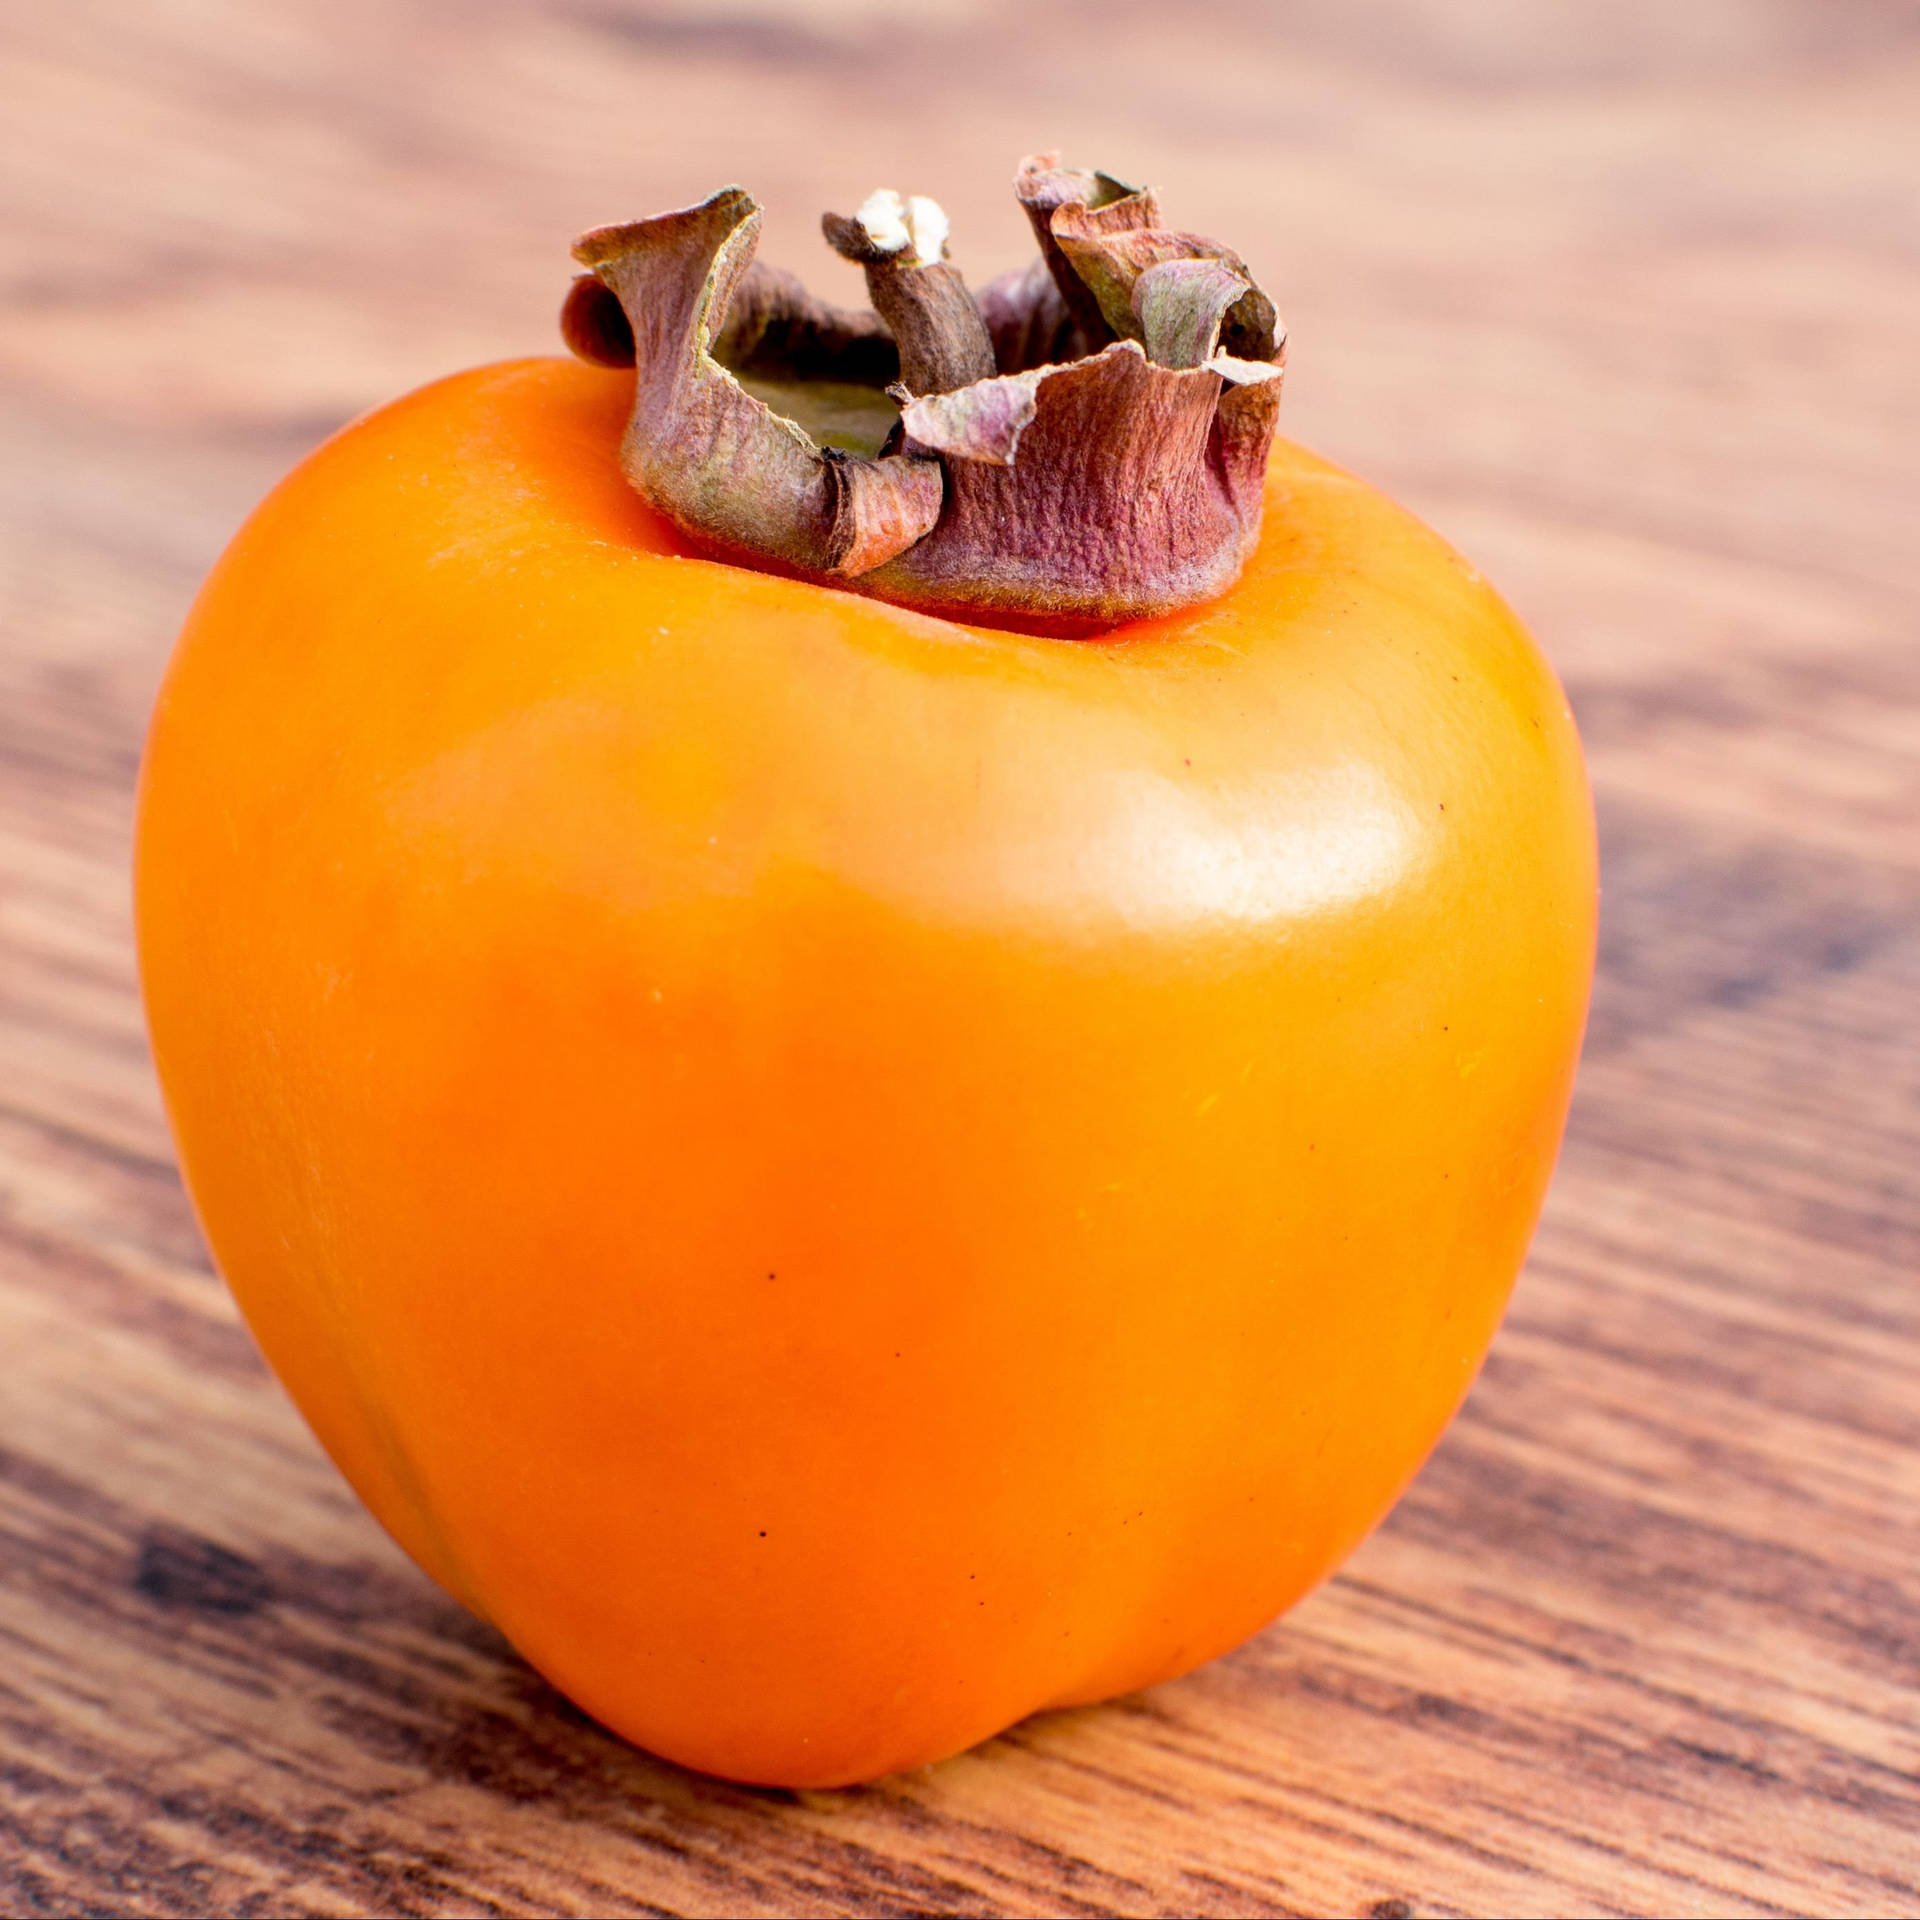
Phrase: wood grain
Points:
(1623, 297)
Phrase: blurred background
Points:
(1623, 296)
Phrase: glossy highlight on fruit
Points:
(844, 1177)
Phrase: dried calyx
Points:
(1082, 444)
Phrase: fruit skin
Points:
(841, 1178)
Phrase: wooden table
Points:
(1622, 296)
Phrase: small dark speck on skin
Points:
(763, 1533)
(1393, 1909)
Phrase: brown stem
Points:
(902, 245)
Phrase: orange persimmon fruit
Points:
(845, 1175)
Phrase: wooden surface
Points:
(1623, 298)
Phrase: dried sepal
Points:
(1180, 306)
(738, 477)
(981, 422)
(594, 324)
(775, 327)
(1114, 260)
(1043, 187)
(1027, 320)
(1082, 446)
(1054, 518)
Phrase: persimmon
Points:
(851, 1148)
